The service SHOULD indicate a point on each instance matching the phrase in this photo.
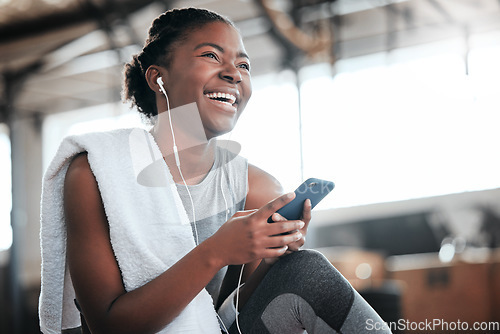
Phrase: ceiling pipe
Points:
(63, 18)
(294, 35)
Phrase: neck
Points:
(196, 155)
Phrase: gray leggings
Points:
(303, 291)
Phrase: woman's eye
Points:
(210, 55)
(245, 66)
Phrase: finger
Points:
(306, 213)
(279, 241)
(276, 217)
(267, 210)
(295, 246)
(274, 252)
(286, 226)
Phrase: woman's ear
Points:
(153, 73)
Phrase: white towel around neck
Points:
(149, 228)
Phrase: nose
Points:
(230, 74)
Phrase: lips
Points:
(226, 98)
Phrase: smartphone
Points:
(314, 189)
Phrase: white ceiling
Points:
(75, 68)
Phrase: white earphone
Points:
(160, 83)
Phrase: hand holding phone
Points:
(313, 189)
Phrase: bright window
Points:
(268, 129)
(383, 128)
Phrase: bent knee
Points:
(308, 258)
(307, 264)
(309, 255)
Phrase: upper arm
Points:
(262, 188)
(94, 271)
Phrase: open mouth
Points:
(226, 98)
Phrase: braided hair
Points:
(166, 30)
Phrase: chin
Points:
(217, 127)
(214, 133)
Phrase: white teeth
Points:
(226, 96)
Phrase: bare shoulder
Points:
(262, 187)
(79, 167)
(81, 193)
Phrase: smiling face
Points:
(210, 67)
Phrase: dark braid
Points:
(166, 30)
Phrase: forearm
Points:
(153, 306)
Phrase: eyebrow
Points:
(220, 48)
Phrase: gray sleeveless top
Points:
(226, 182)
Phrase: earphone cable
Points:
(238, 299)
(177, 159)
(178, 163)
(243, 265)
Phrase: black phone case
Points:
(314, 189)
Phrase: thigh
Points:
(308, 275)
